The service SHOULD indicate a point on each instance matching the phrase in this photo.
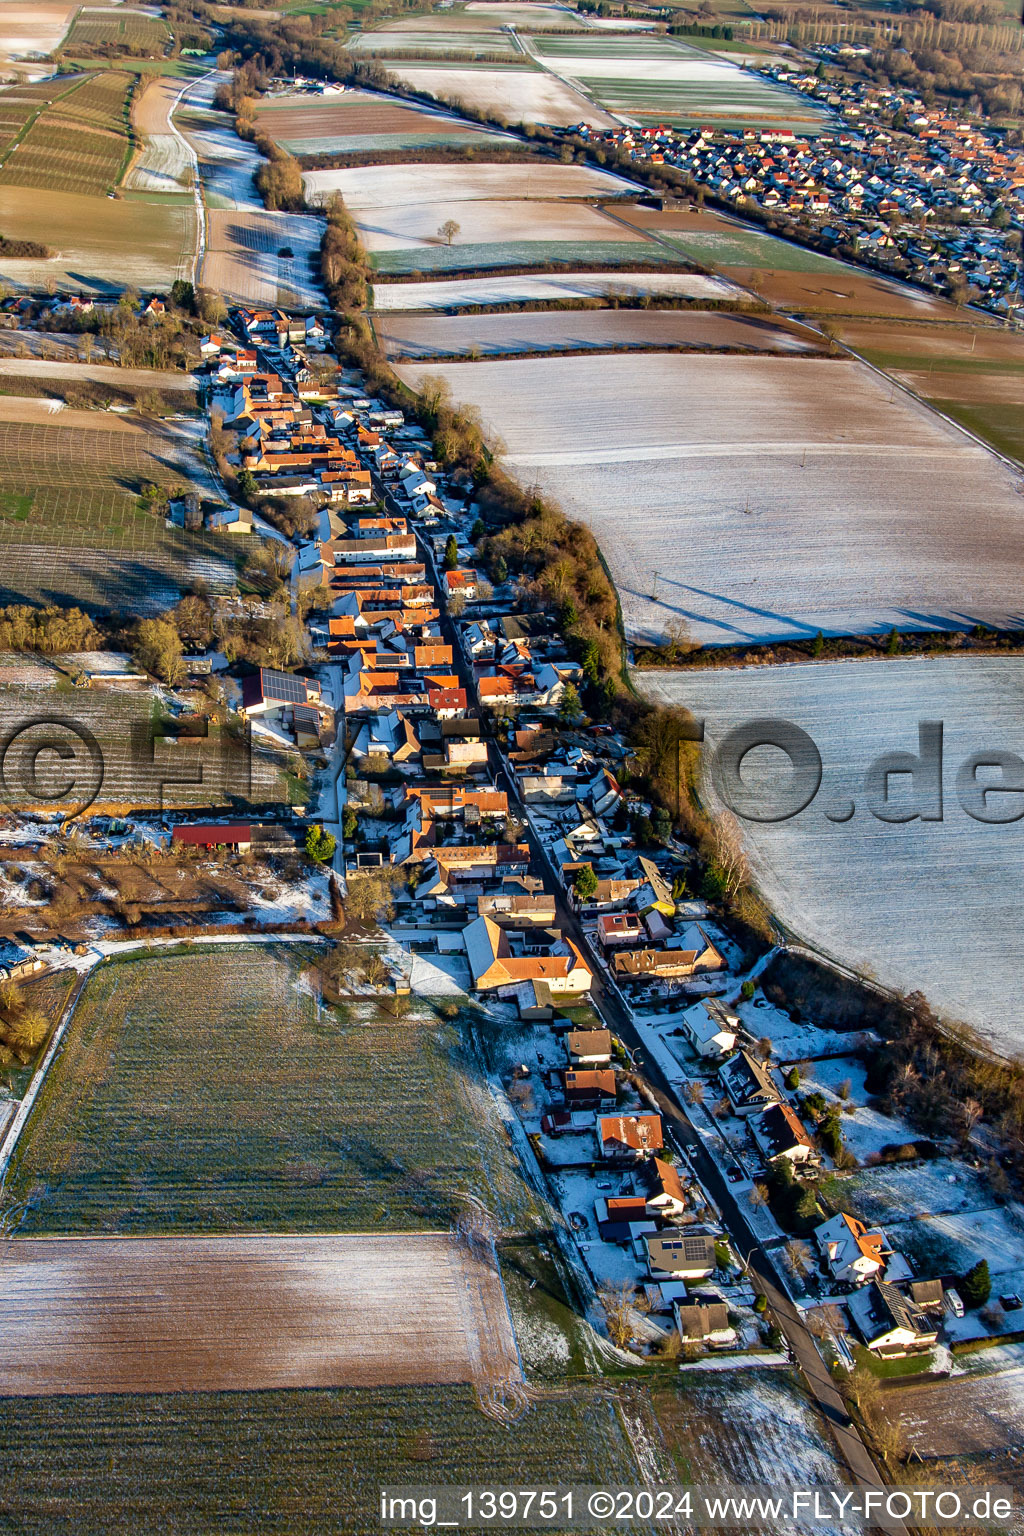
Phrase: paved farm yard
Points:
(935, 907)
(772, 497)
(209, 1092)
(229, 1314)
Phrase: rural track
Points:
(197, 175)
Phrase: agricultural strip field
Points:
(211, 1092)
(72, 371)
(771, 497)
(667, 79)
(101, 245)
(411, 338)
(934, 906)
(164, 164)
(788, 276)
(72, 525)
(594, 250)
(361, 122)
(78, 143)
(973, 374)
(119, 759)
(427, 43)
(123, 28)
(467, 292)
(33, 30)
(246, 258)
(385, 188)
(221, 1314)
(285, 1461)
(518, 95)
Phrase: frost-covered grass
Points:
(750, 248)
(209, 1091)
(464, 292)
(517, 253)
(770, 497)
(932, 906)
(941, 1215)
(386, 187)
(519, 95)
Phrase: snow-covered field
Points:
(771, 497)
(30, 30)
(387, 187)
(486, 223)
(555, 285)
(942, 1215)
(520, 95)
(243, 259)
(935, 906)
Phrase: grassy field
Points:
(209, 1092)
(518, 253)
(281, 1462)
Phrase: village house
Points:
(500, 959)
(780, 1136)
(852, 1253)
(675, 1256)
(710, 1027)
(588, 1047)
(890, 1324)
(630, 1138)
(748, 1084)
(704, 1323)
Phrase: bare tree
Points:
(970, 1113)
(448, 230)
(758, 1195)
(727, 852)
(620, 1311)
(694, 1092)
(799, 1258)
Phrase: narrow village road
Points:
(655, 1086)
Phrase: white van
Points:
(954, 1303)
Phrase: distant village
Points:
(912, 189)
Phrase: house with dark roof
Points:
(780, 1135)
(676, 1255)
(748, 1084)
(892, 1325)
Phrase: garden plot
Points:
(383, 188)
(263, 258)
(605, 330)
(768, 497)
(975, 1418)
(233, 1314)
(518, 95)
(748, 1427)
(101, 750)
(866, 1131)
(210, 1091)
(459, 293)
(790, 1041)
(931, 906)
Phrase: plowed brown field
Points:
(86, 1315)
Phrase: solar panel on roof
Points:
(284, 686)
(694, 1247)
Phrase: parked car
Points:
(1011, 1302)
(954, 1303)
(734, 1173)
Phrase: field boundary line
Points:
(17, 1125)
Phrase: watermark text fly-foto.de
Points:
(770, 770)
